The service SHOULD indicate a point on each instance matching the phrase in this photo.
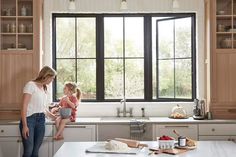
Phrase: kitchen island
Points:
(204, 149)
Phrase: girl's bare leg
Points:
(57, 122)
(61, 127)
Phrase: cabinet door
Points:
(110, 131)
(46, 148)
(187, 130)
(10, 147)
(76, 133)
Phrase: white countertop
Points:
(115, 120)
(204, 149)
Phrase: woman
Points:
(32, 124)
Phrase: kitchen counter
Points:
(205, 149)
(115, 120)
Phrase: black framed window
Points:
(142, 57)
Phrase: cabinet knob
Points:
(2, 131)
(213, 129)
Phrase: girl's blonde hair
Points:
(45, 73)
(74, 89)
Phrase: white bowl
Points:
(65, 112)
(166, 144)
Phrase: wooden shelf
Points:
(25, 17)
(224, 33)
(25, 34)
(8, 33)
(8, 17)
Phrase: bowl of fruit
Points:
(166, 142)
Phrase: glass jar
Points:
(30, 28)
(22, 28)
(23, 11)
(182, 141)
(13, 28)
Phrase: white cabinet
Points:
(209, 132)
(188, 130)
(9, 141)
(76, 133)
(110, 131)
(10, 147)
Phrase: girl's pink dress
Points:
(64, 104)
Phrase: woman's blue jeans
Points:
(36, 125)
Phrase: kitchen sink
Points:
(124, 118)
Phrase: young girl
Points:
(69, 100)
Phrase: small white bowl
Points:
(221, 12)
(166, 144)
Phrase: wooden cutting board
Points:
(174, 151)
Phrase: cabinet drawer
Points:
(188, 130)
(9, 130)
(217, 129)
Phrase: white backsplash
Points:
(152, 109)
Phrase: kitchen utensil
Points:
(199, 109)
(189, 142)
(65, 112)
(131, 143)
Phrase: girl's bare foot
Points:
(59, 137)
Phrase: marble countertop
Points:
(122, 120)
(204, 149)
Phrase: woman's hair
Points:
(74, 89)
(45, 73)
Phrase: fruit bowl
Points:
(166, 142)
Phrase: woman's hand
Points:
(25, 132)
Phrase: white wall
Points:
(135, 6)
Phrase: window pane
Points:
(183, 84)
(165, 39)
(134, 37)
(65, 37)
(86, 37)
(113, 79)
(113, 34)
(134, 78)
(65, 73)
(86, 73)
(166, 79)
(183, 37)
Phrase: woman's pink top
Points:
(64, 104)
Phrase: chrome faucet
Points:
(124, 111)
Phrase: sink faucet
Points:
(124, 111)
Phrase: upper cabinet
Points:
(21, 41)
(224, 15)
(17, 23)
(223, 58)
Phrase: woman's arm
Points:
(26, 99)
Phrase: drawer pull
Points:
(213, 129)
(177, 126)
(2, 131)
(75, 126)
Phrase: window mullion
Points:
(100, 58)
(148, 58)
